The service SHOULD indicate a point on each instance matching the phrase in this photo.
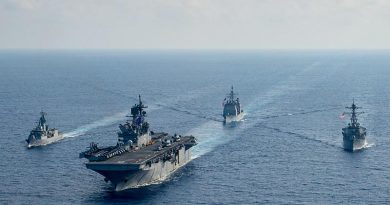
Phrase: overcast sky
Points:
(195, 24)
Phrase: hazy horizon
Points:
(195, 25)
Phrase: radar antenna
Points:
(354, 120)
(231, 96)
(42, 120)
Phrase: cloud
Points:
(21, 4)
(194, 24)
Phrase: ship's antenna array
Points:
(354, 114)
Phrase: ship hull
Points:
(233, 118)
(43, 142)
(134, 176)
(354, 144)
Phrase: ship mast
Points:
(138, 109)
(140, 105)
(231, 95)
(354, 122)
(42, 120)
(138, 113)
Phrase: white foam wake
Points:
(109, 120)
(368, 145)
(209, 135)
(212, 134)
(121, 116)
(99, 123)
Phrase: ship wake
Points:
(212, 134)
(187, 112)
(209, 136)
(367, 145)
(96, 124)
(121, 116)
(329, 143)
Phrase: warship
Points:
(141, 157)
(42, 135)
(354, 135)
(232, 108)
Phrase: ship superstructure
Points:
(354, 135)
(232, 110)
(42, 135)
(140, 157)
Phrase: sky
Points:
(194, 24)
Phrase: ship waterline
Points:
(129, 176)
(354, 145)
(47, 141)
(234, 118)
(141, 157)
(232, 110)
(41, 135)
(354, 135)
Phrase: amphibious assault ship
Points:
(140, 157)
(42, 135)
(232, 108)
(354, 135)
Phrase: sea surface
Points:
(287, 150)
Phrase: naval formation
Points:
(142, 157)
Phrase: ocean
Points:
(286, 150)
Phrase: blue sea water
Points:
(287, 150)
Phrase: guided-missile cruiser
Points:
(232, 108)
(140, 157)
(354, 135)
(42, 135)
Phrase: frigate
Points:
(141, 157)
(354, 135)
(232, 108)
(42, 135)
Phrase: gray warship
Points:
(42, 135)
(232, 108)
(354, 135)
(140, 157)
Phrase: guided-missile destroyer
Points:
(354, 135)
(140, 157)
(42, 135)
(232, 108)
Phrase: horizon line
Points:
(194, 49)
